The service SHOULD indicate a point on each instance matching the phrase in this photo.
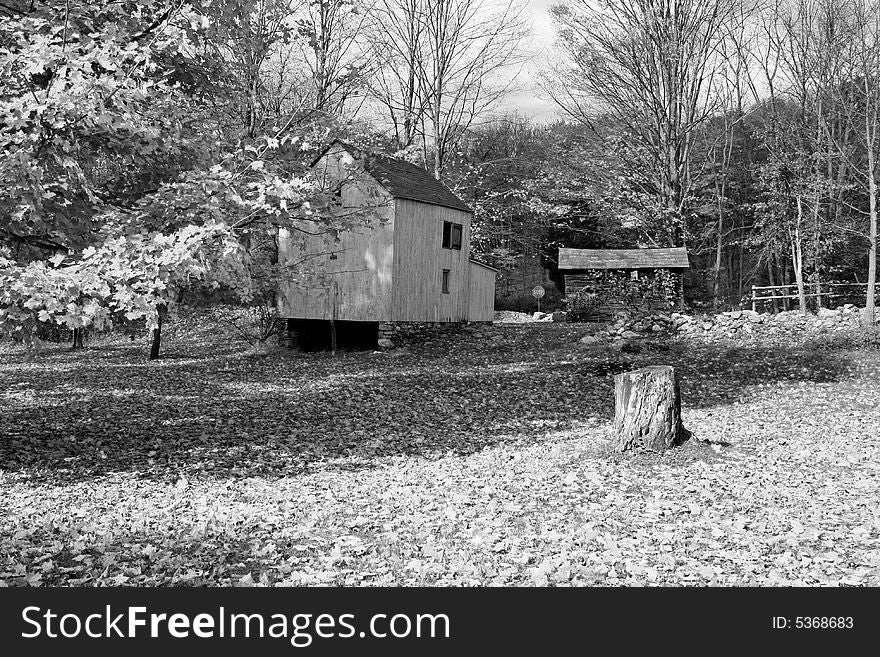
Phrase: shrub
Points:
(583, 301)
(254, 324)
(52, 332)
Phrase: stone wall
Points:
(399, 334)
(286, 337)
(736, 325)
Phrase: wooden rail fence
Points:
(822, 292)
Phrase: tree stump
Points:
(647, 411)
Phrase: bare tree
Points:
(334, 36)
(652, 65)
(277, 59)
(396, 84)
(736, 59)
(860, 98)
(808, 40)
(245, 39)
(452, 61)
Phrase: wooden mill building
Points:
(409, 262)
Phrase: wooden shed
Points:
(410, 262)
(608, 280)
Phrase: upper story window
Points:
(451, 235)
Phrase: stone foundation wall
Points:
(400, 334)
(286, 337)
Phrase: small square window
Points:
(445, 281)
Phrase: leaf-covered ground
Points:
(470, 460)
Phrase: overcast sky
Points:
(527, 99)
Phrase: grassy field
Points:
(471, 460)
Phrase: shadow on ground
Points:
(70, 416)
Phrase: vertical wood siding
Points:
(358, 281)
(481, 294)
(419, 261)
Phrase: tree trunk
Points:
(739, 275)
(869, 315)
(157, 339)
(648, 409)
(782, 267)
(438, 155)
(716, 292)
(437, 119)
(333, 318)
(772, 278)
(797, 259)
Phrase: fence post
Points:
(754, 302)
(819, 295)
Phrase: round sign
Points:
(537, 291)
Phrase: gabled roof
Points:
(402, 179)
(675, 258)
